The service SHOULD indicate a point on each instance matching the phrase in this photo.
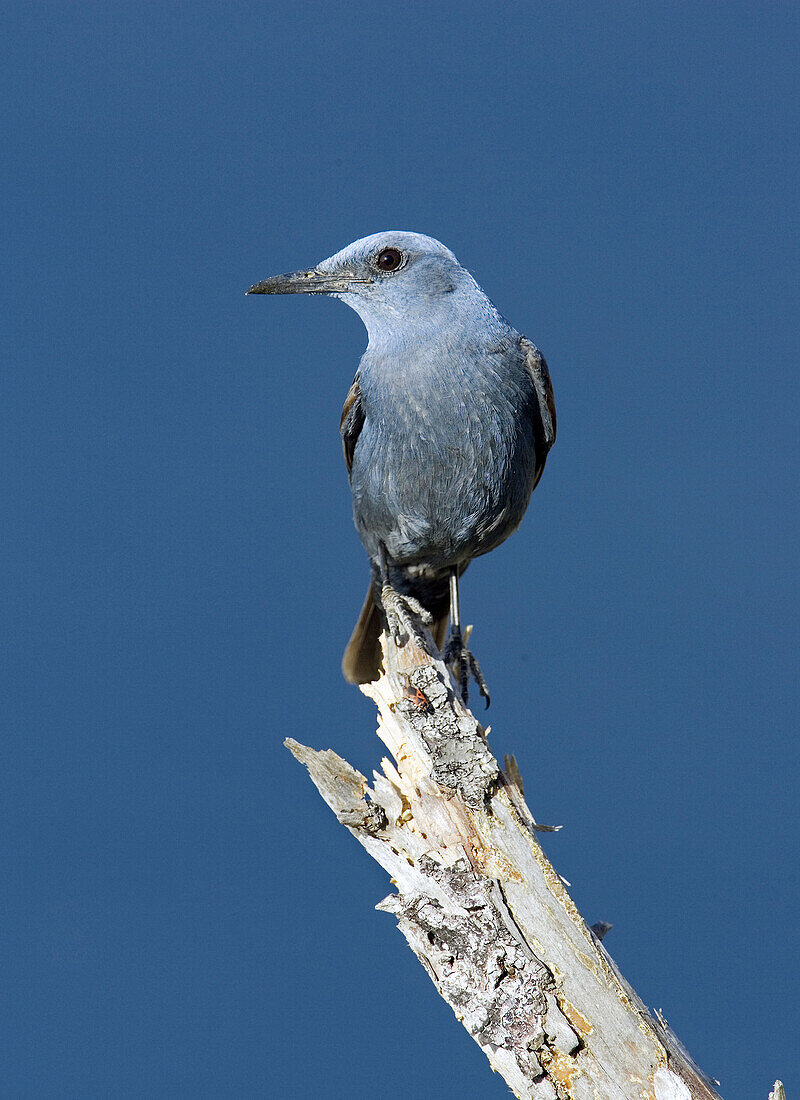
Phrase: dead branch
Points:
(485, 912)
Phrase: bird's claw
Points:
(463, 665)
(402, 615)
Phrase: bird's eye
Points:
(389, 260)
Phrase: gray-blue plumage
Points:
(446, 427)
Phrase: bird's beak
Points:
(306, 282)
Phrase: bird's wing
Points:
(352, 422)
(545, 426)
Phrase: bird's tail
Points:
(362, 658)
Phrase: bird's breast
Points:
(444, 465)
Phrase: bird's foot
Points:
(463, 665)
(402, 613)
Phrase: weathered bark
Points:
(485, 912)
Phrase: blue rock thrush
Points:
(446, 430)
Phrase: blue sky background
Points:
(180, 914)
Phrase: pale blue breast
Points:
(444, 466)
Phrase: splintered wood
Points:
(482, 908)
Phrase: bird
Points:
(446, 430)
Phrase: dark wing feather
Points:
(352, 422)
(545, 421)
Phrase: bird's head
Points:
(387, 278)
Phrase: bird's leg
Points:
(455, 651)
(401, 611)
